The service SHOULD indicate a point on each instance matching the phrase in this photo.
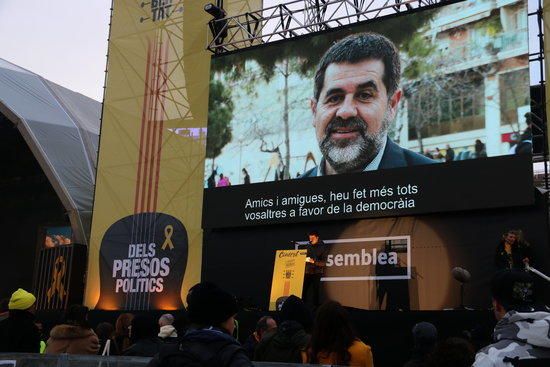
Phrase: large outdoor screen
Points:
(419, 112)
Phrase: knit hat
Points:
(425, 336)
(209, 305)
(294, 309)
(21, 300)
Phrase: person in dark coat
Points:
(291, 338)
(356, 96)
(512, 252)
(264, 326)
(18, 332)
(209, 339)
(449, 154)
(143, 335)
(105, 332)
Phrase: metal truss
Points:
(540, 127)
(300, 17)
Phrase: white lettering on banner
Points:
(142, 271)
(360, 255)
(363, 259)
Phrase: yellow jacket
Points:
(361, 356)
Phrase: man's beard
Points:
(352, 155)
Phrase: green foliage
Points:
(307, 51)
(220, 114)
(419, 50)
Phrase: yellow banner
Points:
(146, 239)
(288, 275)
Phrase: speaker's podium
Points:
(288, 276)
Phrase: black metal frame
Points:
(299, 17)
(536, 59)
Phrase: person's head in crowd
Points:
(122, 325)
(512, 290)
(424, 337)
(452, 352)
(105, 330)
(264, 325)
(143, 326)
(21, 300)
(313, 237)
(221, 176)
(210, 306)
(479, 145)
(355, 99)
(245, 172)
(166, 319)
(294, 309)
(77, 315)
(332, 333)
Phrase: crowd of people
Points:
(209, 335)
(449, 154)
(223, 180)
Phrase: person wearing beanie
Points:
(291, 339)
(209, 340)
(425, 339)
(75, 335)
(521, 332)
(167, 332)
(18, 333)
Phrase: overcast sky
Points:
(65, 41)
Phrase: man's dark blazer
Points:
(394, 156)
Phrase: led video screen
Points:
(419, 112)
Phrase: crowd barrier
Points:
(66, 360)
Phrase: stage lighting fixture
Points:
(218, 25)
(215, 11)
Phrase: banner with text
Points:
(288, 275)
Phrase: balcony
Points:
(485, 51)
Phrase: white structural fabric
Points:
(61, 128)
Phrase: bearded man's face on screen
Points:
(352, 114)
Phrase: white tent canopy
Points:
(61, 127)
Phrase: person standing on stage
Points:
(513, 252)
(317, 252)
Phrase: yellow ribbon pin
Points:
(57, 287)
(168, 231)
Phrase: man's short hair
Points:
(356, 48)
(514, 290)
(262, 325)
(313, 233)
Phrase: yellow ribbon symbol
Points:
(59, 269)
(168, 231)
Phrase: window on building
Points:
(514, 93)
(452, 104)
